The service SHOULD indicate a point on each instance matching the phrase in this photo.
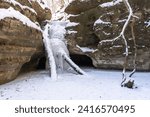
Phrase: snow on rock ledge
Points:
(37, 11)
(11, 13)
(20, 36)
(101, 20)
(14, 2)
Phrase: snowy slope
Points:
(98, 85)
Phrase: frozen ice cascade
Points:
(57, 52)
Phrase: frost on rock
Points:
(147, 23)
(110, 4)
(99, 21)
(86, 49)
(57, 52)
(71, 24)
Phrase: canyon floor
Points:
(97, 85)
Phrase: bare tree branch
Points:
(135, 47)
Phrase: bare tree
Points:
(122, 36)
(130, 16)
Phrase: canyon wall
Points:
(96, 21)
(19, 40)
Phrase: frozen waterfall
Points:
(57, 52)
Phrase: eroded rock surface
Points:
(96, 20)
(19, 42)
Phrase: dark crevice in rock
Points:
(82, 60)
(41, 63)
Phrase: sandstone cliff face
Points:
(96, 21)
(93, 22)
(19, 42)
(56, 5)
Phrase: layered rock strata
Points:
(100, 20)
(20, 35)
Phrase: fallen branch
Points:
(73, 65)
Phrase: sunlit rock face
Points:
(98, 20)
(18, 41)
(56, 5)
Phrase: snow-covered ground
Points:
(99, 85)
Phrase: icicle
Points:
(50, 56)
